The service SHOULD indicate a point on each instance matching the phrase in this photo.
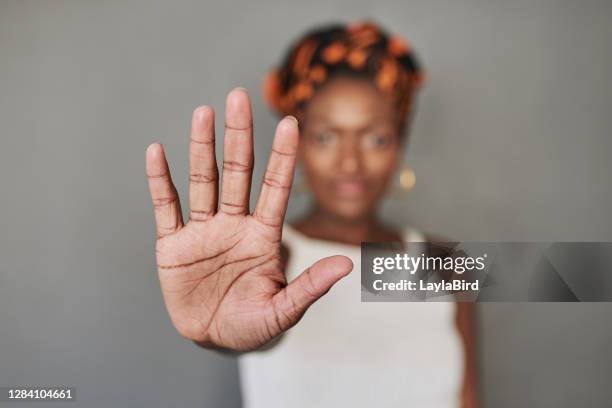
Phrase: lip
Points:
(349, 189)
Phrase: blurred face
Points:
(349, 148)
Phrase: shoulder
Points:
(410, 233)
(434, 237)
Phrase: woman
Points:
(230, 283)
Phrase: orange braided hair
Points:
(361, 48)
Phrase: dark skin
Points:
(349, 153)
(222, 272)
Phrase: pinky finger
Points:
(163, 194)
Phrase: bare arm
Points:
(466, 324)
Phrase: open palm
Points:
(222, 274)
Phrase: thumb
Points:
(291, 302)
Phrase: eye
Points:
(324, 138)
(377, 140)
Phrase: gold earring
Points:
(406, 182)
(407, 179)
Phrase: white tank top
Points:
(345, 353)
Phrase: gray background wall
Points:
(511, 142)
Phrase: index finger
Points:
(272, 202)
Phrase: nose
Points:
(349, 156)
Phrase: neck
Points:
(323, 225)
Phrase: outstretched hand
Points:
(221, 273)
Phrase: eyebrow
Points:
(378, 119)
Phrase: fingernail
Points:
(293, 118)
(241, 88)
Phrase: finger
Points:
(203, 172)
(237, 154)
(290, 303)
(163, 194)
(272, 202)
